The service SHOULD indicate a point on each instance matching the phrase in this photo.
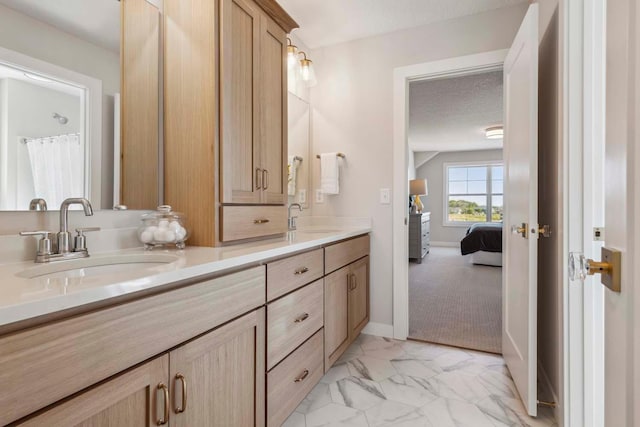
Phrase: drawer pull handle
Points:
(302, 318)
(180, 409)
(260, 221)
(165, 394)
(301, 271)
(302, 376)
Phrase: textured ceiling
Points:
(96, 21)
(327, 22)
(452, 114)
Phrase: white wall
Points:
(433, 171)
(29, 111)
(352, 113)
(31, 37)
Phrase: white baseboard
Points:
(445, 244)
(378, 329)
(548, 388)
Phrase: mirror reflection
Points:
(298, 163)
(74, 120)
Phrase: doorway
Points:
(455, 242)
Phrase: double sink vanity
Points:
(231, 336)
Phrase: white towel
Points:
(292, 166)
(329, 173)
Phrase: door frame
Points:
(402, 76)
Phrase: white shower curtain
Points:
(57, 165)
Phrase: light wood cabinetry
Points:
(293, 319)
(346, 295)
(207, 352)
(140, 121)
(218, 379)
(290, 381)
(134, 399)
(225, 133)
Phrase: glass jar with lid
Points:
(163, 227)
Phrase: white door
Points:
(520, 237)
(621, 198)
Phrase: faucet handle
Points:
(44, 244)
(80, 241)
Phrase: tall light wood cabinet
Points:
(226, 112)
(136, 398)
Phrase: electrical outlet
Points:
(598, 234)
(302, 196)
(319, 196)
(385, 196)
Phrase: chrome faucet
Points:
(63, 250)
(64, 236)
(291, 220)
(38, 204)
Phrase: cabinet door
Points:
(273, 111)
(219, 378)
(336, 308)
(358, 297)
(240, 170)
(134, 399)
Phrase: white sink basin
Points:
(97, 266)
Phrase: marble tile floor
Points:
(383, 382)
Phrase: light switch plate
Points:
(385, 196)
(319, 196)
(302, 196)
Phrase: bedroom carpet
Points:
(454, 302)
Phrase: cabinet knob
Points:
(302, 376)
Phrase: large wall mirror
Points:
(299, 160)
(80, 111)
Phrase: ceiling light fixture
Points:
(494, 132)
(37, 77)
(307, 73)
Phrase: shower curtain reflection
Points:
(57, 166)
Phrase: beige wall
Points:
(549, 206)
(433, 171)
(352, 113)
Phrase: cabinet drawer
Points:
(293, 319)
(343, 253)
(290, 381)
(289, 274)
(41, 365)
(247, 222)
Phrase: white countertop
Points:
(24, 298)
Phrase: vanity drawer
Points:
(247, 222)
(288, 274)
(343, 253)
(293, 319)
(42, 365)
(290, 381)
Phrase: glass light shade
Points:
(495, 132)
(292, 56)
(418, 187)
(307, 73)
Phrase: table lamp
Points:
(417, 188)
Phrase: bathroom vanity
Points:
(202, 337)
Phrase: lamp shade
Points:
(418, 187)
